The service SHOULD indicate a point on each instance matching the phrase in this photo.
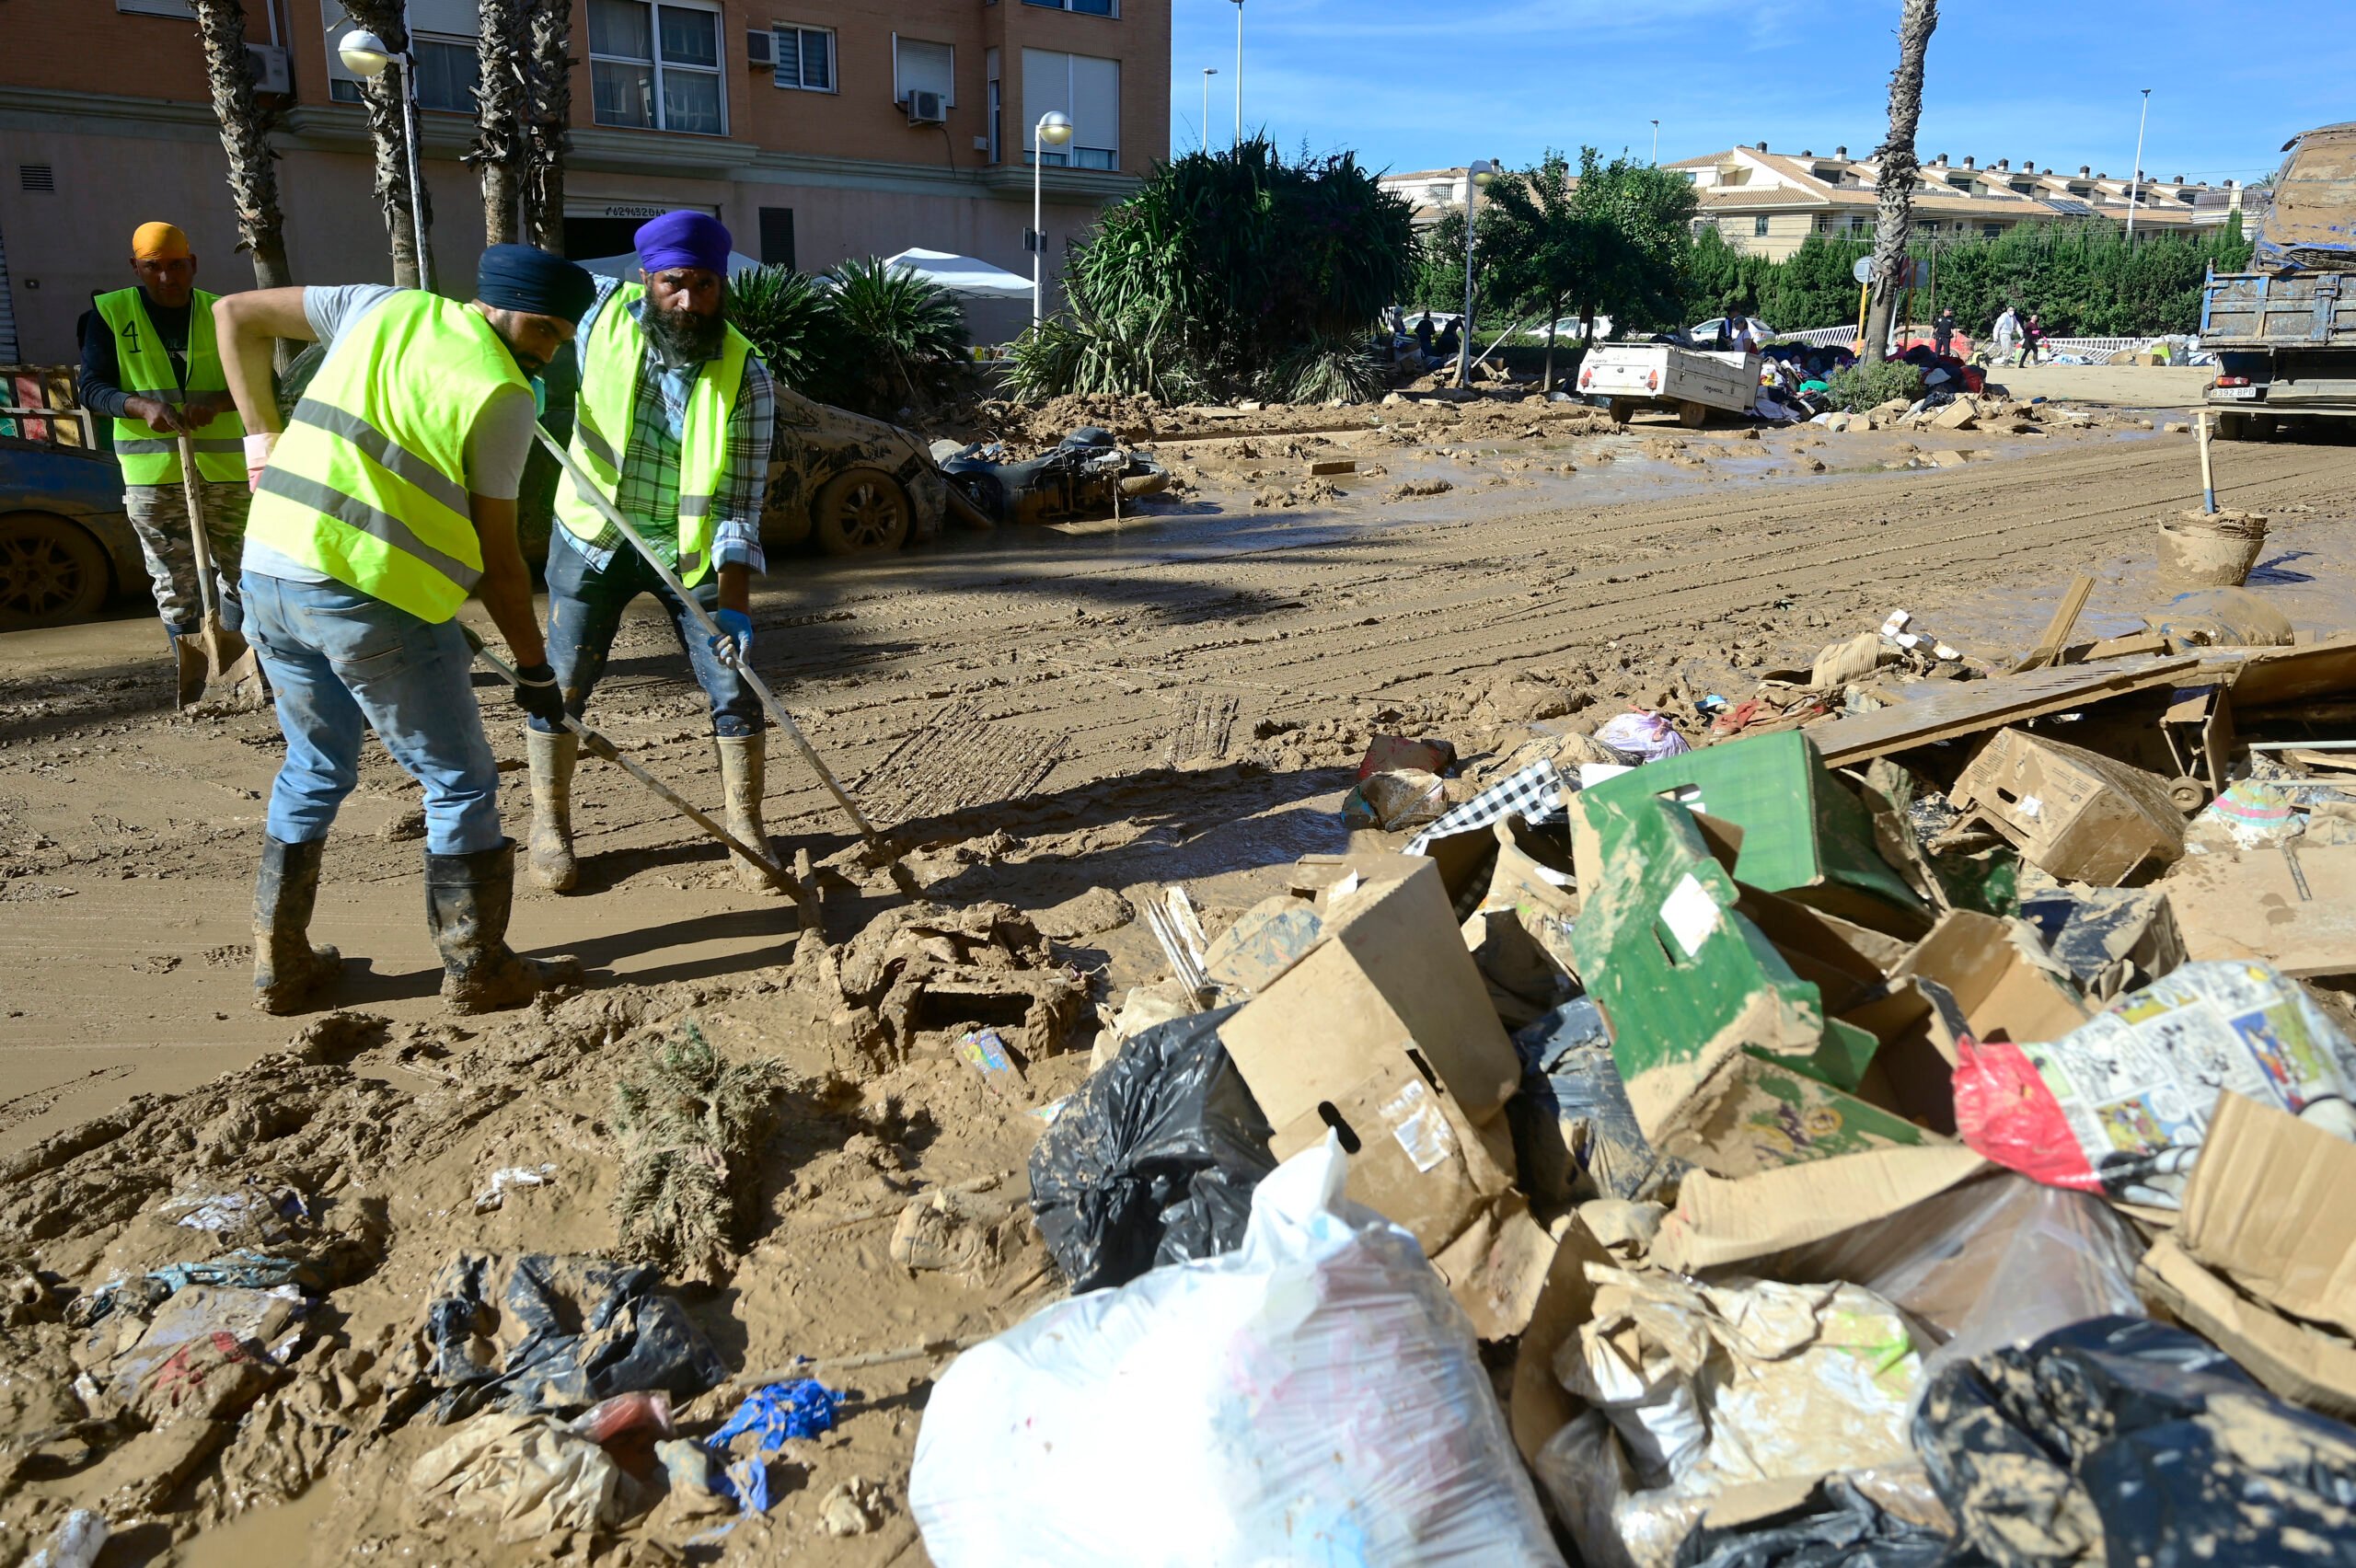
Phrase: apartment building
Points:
(815, 128)
(1769, 202)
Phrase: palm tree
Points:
(501, 92)
(1896, 174)
(549, 91)
(387, 133)
(245, 137)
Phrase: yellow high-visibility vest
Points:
(368, 484)
(610, 361)
(149, 458)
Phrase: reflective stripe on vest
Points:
(611, 361)
(368, 482)
(146, 371)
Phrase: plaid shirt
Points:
(649, 492)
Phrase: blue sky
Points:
(1431, 83)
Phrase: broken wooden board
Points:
(2057, 631)
(2247, 906)
(1953, 709)
(2265, 677)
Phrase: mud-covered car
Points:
(853, 485)
(66, 543)
(1078, 477)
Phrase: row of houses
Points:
(1769, 202)
(815, 128)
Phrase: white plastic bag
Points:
(1314, 1397)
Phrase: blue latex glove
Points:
(737, 627)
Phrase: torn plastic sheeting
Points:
(2119, 1106)
(242, 1270)
(2111, 939)
(776, 1415)
(1396, 800)
(1642, 735)
(1571, 1079)
(1154, 1160)
(1313, 1396)
(1841, 1526)
(545, 1332)
(2127, 1441)
(525, 1473)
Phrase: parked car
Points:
(1704, 334)
(65, 542)
(857, 486)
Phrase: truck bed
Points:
(2283, 310)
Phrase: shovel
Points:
(214, 661)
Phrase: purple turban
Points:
(685, 239)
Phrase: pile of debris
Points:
(1898, 1119)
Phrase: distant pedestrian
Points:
(1424, 335)
(1451, 338)
(2032, 339)
(1943, 332)
(2007, 334)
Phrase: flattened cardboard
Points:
(1539, 1406)
(2272, 1205)
(2247, 906)
(2078, 814)
(1719, 1221)
(2303, 1364)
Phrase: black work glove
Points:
(537, 693)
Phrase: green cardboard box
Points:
(1804, 835)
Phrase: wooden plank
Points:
(2057, 630)
(1957, 709)
(2264, 677)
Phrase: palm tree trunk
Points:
(1553, 315)
(501, 93)
(1895, 176)
(245, 138)
(388, 133)
(547, 113)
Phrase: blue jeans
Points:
(343, 663)
(586, 607)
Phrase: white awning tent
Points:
(963, 276)
(625, 266)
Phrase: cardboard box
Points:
(2272, 1205)
(1803, 834)
(1727, 1056)
(2002, 983)
(2303, 1364)
(2077, 814)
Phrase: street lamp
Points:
(1055, 126)
(2135, 176)
(1476, 178)
(1656, 143)
(367, 56)
(1239, 73)
(1208, 71)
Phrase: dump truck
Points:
(2284, 332)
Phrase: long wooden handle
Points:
(584, 486)
(192, 488)
(2207, 480)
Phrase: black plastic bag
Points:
(1572, 1125)
(1154, 1159)
(1841, 1527)
(539, 1332)
(2125, 1442)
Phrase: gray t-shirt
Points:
(496, 446)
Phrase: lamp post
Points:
(1053, 126)
(1478, 175)
(1239, 73)
(1208, 71)
(367, 56)
(2135, 177)
(1656, 143)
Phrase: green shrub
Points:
(1863, 386)
(869, 337)
(1324, 369)
(786, 314)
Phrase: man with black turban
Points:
(387, 499)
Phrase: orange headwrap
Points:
(157, 242)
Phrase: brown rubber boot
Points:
(468, 900)
(287, 969)
(552, 757)
(741, 774)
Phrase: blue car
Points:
(66, 543)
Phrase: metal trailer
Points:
(1624, 377)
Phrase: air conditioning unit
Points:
(926, 109)
(273, 73)
(760, 46)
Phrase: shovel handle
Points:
(583, 486)
(192, 488)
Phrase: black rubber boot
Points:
(468, 899)
(287, 969)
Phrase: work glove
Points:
(537, 693)
(736, 627)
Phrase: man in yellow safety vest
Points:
(389, 498)
(673, 424)
(150, 364)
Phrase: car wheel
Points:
(1692, 416)
(52, 572)
(861, 511)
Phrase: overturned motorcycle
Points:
(1088, 474)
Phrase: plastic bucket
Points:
(2197, 550)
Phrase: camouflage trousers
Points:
(159, 516)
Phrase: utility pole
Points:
(2135, 177)
(1208, 71)
(1656, 143)
(1239, 73)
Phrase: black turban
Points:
(526, 278)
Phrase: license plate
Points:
(2233, 392)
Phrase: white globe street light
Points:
(1476, 179)
(369, 57)
(1054, 127)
